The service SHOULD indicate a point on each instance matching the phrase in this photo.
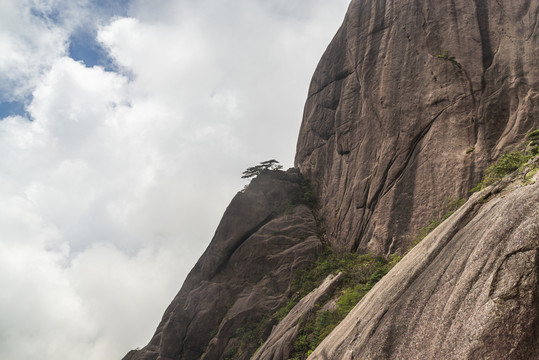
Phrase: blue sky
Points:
(124, 130)
(82, 41)
(12, 108)
(84, 47)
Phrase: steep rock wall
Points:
(244, 274)
(279, 344)
(469, 290)
(408, 105)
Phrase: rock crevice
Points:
(458, 62)
(467, 291)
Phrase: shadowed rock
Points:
(244, 274)
(469, 290)
(280, 343)
(410, 102)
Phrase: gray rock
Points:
(410, 103)
(245, 273)
(402, 95)
(469, 290)
(280, 343)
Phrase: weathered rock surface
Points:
(279, 344)
(245, 272)
(469, 290)
(410, 102)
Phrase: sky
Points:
(125, 127)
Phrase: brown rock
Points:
(279, 344)
(469, 290)
(244, 274)
(402, 95)
(409, 104)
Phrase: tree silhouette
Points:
(264, 165)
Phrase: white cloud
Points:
(116, 186)
(34, 33)
(28, 48)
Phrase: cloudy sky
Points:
(125, 127)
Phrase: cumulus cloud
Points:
(35, 33)
(29, 46)
(114, 181)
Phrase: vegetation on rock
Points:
(510, 162)
(444, 55)
(451, 205)
(303, 196)
(254, 171)
(360, 274)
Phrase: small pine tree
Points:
(264, 165)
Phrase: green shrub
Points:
(534, 142)
(251, 336)
(231, 353)
(505, 165)
(451, 205)
(530, 174)
(360, 274)
(394, 259)
(305, 195)
(444, 55)
(534, 135)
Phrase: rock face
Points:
(410, 102)
(279, 344)
(245, 272)
(470, 290)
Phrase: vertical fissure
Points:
(481, 11)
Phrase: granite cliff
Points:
(265, 234)
(469, 290)
(402, 92)
(411, 102)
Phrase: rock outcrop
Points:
(469, 290)
(280, 343)
(244, 274)
(410, 102)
